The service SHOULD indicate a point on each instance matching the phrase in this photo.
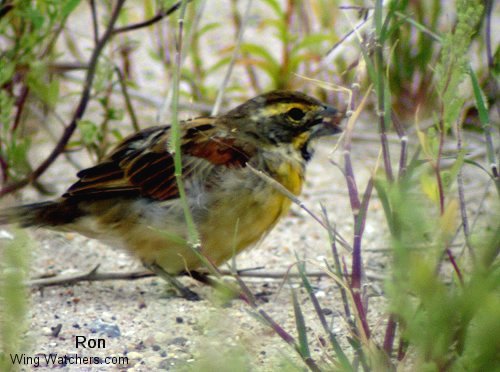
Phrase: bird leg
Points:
(172, 280)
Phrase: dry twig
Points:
(95, 276)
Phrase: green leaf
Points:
(312, 41)
(346, 366)
(52, 95)
(476, 164)
(149, 11)
(114, 113)
(207, 28)
(36, 18)
(479, 97)
(89, 131)
(301, 327)
(14, 272)
(369, 65)
(281, 29)
(382, 191)
(429, 186)
(275, 5)
(457, 165)
(116, 133)
(267, 62)
(6, 108)
(47, 92)
(218, 65)
(15, 150)
(6, 72)
(68, 7)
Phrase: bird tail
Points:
(50, 213)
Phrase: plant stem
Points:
(230, 67)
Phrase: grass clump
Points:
(14, 304)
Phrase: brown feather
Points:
(142, 164)
(218, 151)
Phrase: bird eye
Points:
(295, 113)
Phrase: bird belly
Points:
(239, 222)
(228, 227)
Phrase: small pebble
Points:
(46, 331)
(108, 329)
(135, 355)
(168, 364)
(181, 341)
(327, 311)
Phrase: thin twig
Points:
(418, 26)
(4, 167)
(355, 7)
(158, 17)
(390, 333)
(95, 276)
(461, 197)
(91, 276)
(359, 209)
(403, 157)
(480, 205)
(194, 27)
(338, 267)
(20, 102)
(346, 36)
(249, 68)
(126, 97)
(437, 163)
(230, 67)
(42, 116)
(62, 67)
(381, 112)
(489, 52)
(95, 23)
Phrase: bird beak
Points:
(328, 122)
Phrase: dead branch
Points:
(95, 276)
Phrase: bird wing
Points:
(141, 165)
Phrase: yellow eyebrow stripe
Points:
(280, 108)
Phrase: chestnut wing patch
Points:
(219, 151)
(142, 166)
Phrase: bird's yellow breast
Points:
(241, 220)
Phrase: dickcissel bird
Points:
(131, 198)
